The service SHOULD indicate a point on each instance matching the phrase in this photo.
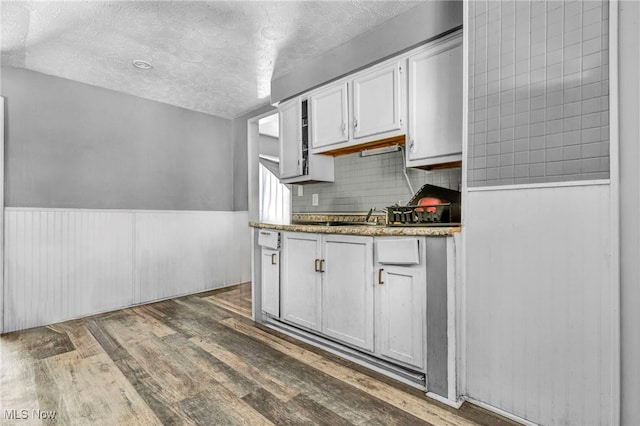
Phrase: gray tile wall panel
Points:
(538, 92)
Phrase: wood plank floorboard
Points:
(200, 360)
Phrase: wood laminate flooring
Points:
(198, 360)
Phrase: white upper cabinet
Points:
(435, 103)
(377, 97)
(290, 139)
(360, 109)
(329, 116)
(297, 163)
(414, 98)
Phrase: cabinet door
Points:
(301, 283)
(377, 101)
(329, 116)
(271, 281)
(400, 314)
(347, 312)
(435, 102)
(290, 142)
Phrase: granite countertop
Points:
(365, 230)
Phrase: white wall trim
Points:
(253, 205)
(540, 185)
(461, 258)
(614, 203)
(455, 404)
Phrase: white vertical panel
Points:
(538, 303)
(185, 252)
(67, 263)
(241, 242)
(62, 264)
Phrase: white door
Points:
(435, 101)
(329, 116)
(301, 280)
(271, 281)
(290, 138)
(348, 290)
(400, 314)
(377, 101)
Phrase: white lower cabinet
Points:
(400, 313)
(347, 301)
(331, 285)
(301, 289)
(327, 286)
(270, 281)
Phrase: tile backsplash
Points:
(365, 182)
(539, 91)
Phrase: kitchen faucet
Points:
(371, 210)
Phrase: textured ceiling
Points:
(214, 57)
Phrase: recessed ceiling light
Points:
(143, 65)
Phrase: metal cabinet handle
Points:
(355, 123)
(380, 276)
(321, 265)
(317, 262)
(265, 233)
(273, 258)
(344, 129)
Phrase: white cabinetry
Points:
(401, 297)
(377, 97)
(270, 281)
(301, 280)
(347, 302)
(329, 116)
(435, 103)
(327, 286)
(361, 109)
(400, 314)
(297, 164)
(290, 139)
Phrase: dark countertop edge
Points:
(370, 231)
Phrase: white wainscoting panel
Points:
(67, 263)
(62, 264)
(539, 303)
(241, 243)
(186, 252)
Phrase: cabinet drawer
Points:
(269, 239)
(401, 251)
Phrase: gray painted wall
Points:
(365, 182)
(539, 92)
(630, 209)
(437, 342)
(416, 26)
(240, 158)
(71, 145)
